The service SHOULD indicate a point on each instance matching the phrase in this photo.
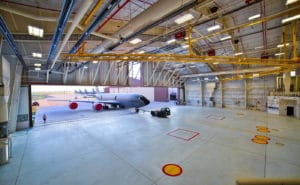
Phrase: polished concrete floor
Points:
(117, 149)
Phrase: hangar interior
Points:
(234, 65)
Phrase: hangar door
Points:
(161, 94)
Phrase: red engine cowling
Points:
(73, 105)
(97, 106)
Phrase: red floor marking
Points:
(186, 139)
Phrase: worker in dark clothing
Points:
(44, 118)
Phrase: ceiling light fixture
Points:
(281, 45)
(171, 41)
(239, 53)
(37, 55)
(141, 52)
(279, 54)
(95, 62)
(254, 17)
(215, 27)
(293, 73)
(37, 69)
(288, 2)
(225, 38)
(256, 75)
(85, 67)
(34, 31)
(184, 18)
(135, 41)
(37, 65)
(259, 47)
(215, 63)
(290, 19)
(185, 46)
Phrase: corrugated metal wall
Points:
(193, 92)
(234, 95)
(161, 94)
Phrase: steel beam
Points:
(183, 58)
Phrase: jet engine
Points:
(97, 106)
(73, 105)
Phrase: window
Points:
(135, 70)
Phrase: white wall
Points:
(233, 93)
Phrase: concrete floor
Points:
(133, 148)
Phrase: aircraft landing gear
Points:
(137, 110)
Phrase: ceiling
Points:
(266, 36)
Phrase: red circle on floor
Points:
(172, 170)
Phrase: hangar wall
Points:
(13, 72)
(250, 93)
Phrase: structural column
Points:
(221, 94)
(246, 94)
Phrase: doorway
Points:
(290, 111)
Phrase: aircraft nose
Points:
(145, 100)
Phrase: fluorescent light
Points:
(288, 2)
(185, 46)
(239, 53)
(215, 27)
(171, 41)
(254, 17)
(85, 67)
(256, 75)
(206, 78)
(215, 63)
(37, 65)
(35, 31)
(95, 62)
(278, 54)
(37, 69)
(293, 73)
(141, 52)
(241, 76)
(184, 18)
(216, 78)
(281, 45)
(135, 41)
(37, 55)
(290, 18)
(259, 47)
(225, 38)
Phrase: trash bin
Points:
(3, 150)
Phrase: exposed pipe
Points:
(9, 38)
(47, 19)
(213, 17)
(80, 14)
(109, 7)
(62, 22)
(112, 15)
(93, 11)
(251, 70)
(137, 25)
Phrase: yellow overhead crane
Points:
(285, 64)
(183, 58)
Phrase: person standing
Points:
(44, 118)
